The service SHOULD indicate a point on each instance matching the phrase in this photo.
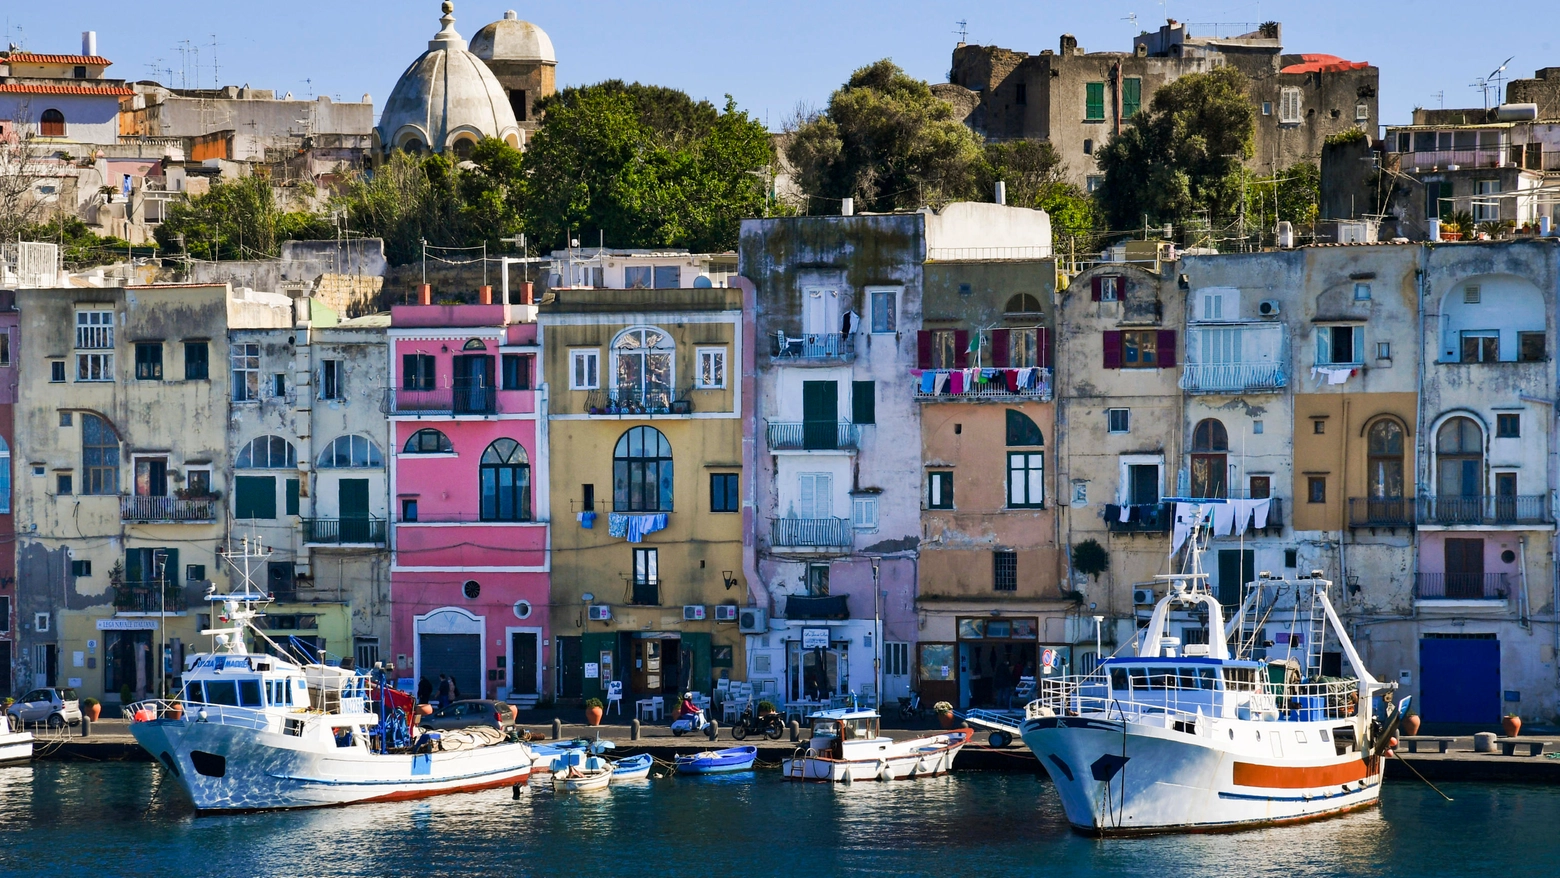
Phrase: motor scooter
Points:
(695, 722)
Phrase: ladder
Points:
(1316, 633)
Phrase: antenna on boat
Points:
(243, 604)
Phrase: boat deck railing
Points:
(1183, 694)
(201, 712)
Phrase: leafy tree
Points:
(239, 219)
(1183, 155)
(80, 247)
(1294, 193)
(886, 141)
(643, 166)
(1036, 177)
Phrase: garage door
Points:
(1460, 679)
(459, 655)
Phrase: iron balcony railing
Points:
(149, 597)
(441, 401)
(991, 390)
(1461, 586)
(1142, 518)
(143, 509)
(811, 533)
(1484, 510)
(335, 531)
(813, 435)
(634, 401)
(1235, 358)
(642, 592)
(1487, 157)
(1381, 511)
(813, 346)
(1232, 377)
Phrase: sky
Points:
(771, 57)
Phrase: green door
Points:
(695, 662)
(820, 414)
(352, 509)
(1236, 568)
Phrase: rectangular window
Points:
(95, 330)
(254, 497)
(637, 277)
(5, 347)
(896, 659)
(864, 513)
(1267, 108)
(668, 277)
(1023, 348)
(584, 373)
(1508, 426)
(939, 490)
(1480, 346)
(66, 419)
(1340, 345)
(1486, 208)
(945, 354)
(64, 485)
(647, 577)
(1131, 96)
(587, 497)
(1261, 487)
(1026, 479)
(278, 385)
(1093, 182)
(148, 361)
(1361, 292)
(1139, 349)
(517, 371)
(818, 580)
(194, 573)
(1107, 288)
(885, 310)
(409, 509)
(1004, 571)
(365, 650)
(417, 371)
(1289, 105)
(1472, 294)
(712, 367)
(1021, 93)
(331, 373)
(1318, 427)
(723, 493)
(57, 371)
(1361, 112)
(1530, 347)
(863, 402)
(1094, 102)
(5, 614)
(197, 361)
(246, 372)
(1118, 420)
(1316, 489)
(1383, 350)
(94, 367)
(80, 568)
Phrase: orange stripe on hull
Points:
(508, 780)
(1284, 777)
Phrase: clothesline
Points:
(1229, 518)
(936, 382)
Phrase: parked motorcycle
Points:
(770, 725)
(910, 708)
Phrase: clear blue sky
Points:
(769, 56)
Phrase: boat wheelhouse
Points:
(847, 745)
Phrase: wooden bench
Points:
(1508, 746)
(1413, 742)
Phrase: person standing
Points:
(424, 691)
(446, 691)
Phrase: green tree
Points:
(642, 166)
(80, 247)
(1183, 156)
(1036, 177)
(1293, 194)
(239, 219)
(888, 142)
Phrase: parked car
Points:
(468, 713)
(56, 707)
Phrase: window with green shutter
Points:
(863, 402)
(1094, 102)
(254, 497)
(1131, 97)
(292, 496)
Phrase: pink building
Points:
(468, 481)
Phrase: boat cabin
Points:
(1227, 688)
(840, 727)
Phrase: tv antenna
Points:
(1485, 83)
(1440, 96)
(963, 31)
(1132, 17)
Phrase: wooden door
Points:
(522, 659)
(571, 667)
(1464, 568)
(820, 414)
(352, 509)
(645, 676)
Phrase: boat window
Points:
(192, 693)
(826, 728)
(1240, 679)
(1139, 677)
(293, 727)
(1188, 677)
(249, 693)
(343, 736)
(1322, 733)
(1205, 678)
(1118, 679)
(222, 692)
(1299, 736)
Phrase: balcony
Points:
(813, 435)
(1381, 512)
(1235, 359)
(811, 533)
(148, 597)
(343, 531)
(642, 592)
(1142, 518)
(1461, 586)
(446, 402)
(1427, 160)
(1484, 511)
(813, 347)
(140, 509)
(625, 402)
(1037, 388)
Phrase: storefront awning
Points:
(832, 607)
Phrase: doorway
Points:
(473, 392)
(458, 655)
(571, 667)
(1464, 568)
(1460, 679)
(523, 649)
(352, 509)
(151, 476)
(817, 673)
(1236, 568)
(5, 667)
(820, 414)
(127, 661)
(1143, 484)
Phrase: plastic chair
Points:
(615, 697)
(658, 707)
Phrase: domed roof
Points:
(447, 91)
(510, 39)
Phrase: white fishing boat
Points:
(1216, 736)
(846, 746)
(578, 772)
(16, 743)
(253, 731)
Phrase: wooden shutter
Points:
(292, 497)
(1043, 348)
(961, 348)
(999, 347)
(1166, 348)
(1096, 284)
(863, 402)
(923, 349)
(1112, 350)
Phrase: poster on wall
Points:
(815, 638)
(592, 671)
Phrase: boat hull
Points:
(598, 780)
(907, 760)
(720, 762)
(633, 768)
(1122, 779)
(231, 768)
(16, 748)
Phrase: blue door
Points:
(1460, 680)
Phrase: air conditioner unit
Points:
(753, 620)
(600, 613)
(1142, 596)
(726, 613)
(1268, 308)
(693, 612)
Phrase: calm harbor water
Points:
(60, 818)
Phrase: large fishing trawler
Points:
(1218, 735)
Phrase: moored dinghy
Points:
(632, 768)
(578, 772)
(718, 761)
(845, 746)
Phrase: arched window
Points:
(1384, 448)
(642, 368)
(474, 344)
(99, 456)
(1023, 303)
(463, 147)
(1026, 469)
(267, 452)
(413, 145)
(1210, 459)
(1459, 451)
(642, 472)
(428, 441)
(52, 123)
(5, 478)
(506, 482)
(355, 452)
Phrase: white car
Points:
(56, 707)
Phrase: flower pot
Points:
(593, 716)
(93, 711)
(175, 711)
(947, 719)
(1451, 236)
(1511, 725)
(424, 709)
(1411, 724)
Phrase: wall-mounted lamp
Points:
(445, 348)
(729, 578)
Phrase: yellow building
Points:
(642, 390)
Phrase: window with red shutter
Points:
(923, 349)
(961, 348)
(1043, 348)
(1166, 348)
(1095, 287)
(1112, 349)
(999, 348)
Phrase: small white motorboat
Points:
(845, 746)
(16, 745)
(632, 768)
(578, 773)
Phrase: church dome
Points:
(510, 39)
(447, 99)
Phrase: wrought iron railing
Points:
(634, 401)
(441, 401)
(1142, 518)
(1381, 511)
(1487, 157)
(149, 597)
(813, 435)
(334, 531)
(942, 389)
(1232, 377)
(1461, 586)
(139, 508)
(1484, 510)
(813, 346)
(642, 592)
(812, 533)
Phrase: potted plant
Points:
(125, 696)
(765, 708)
(1411, 724)
(944, 712)
(1511, 724)
(91, 708)
(175, 709)
(593, 710)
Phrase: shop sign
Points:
(127, 624)
(815, 638)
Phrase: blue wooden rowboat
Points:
(718, 761)
(632, 768)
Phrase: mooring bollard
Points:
(86, 727)
(1484, 742)
(796, 731)
(633, 729)
(557, 728)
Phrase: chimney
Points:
(485, 295)
(847, 207)
(526, 296)
(1001, 192)
(424, 294)
(89, 43)
(1069, 45)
